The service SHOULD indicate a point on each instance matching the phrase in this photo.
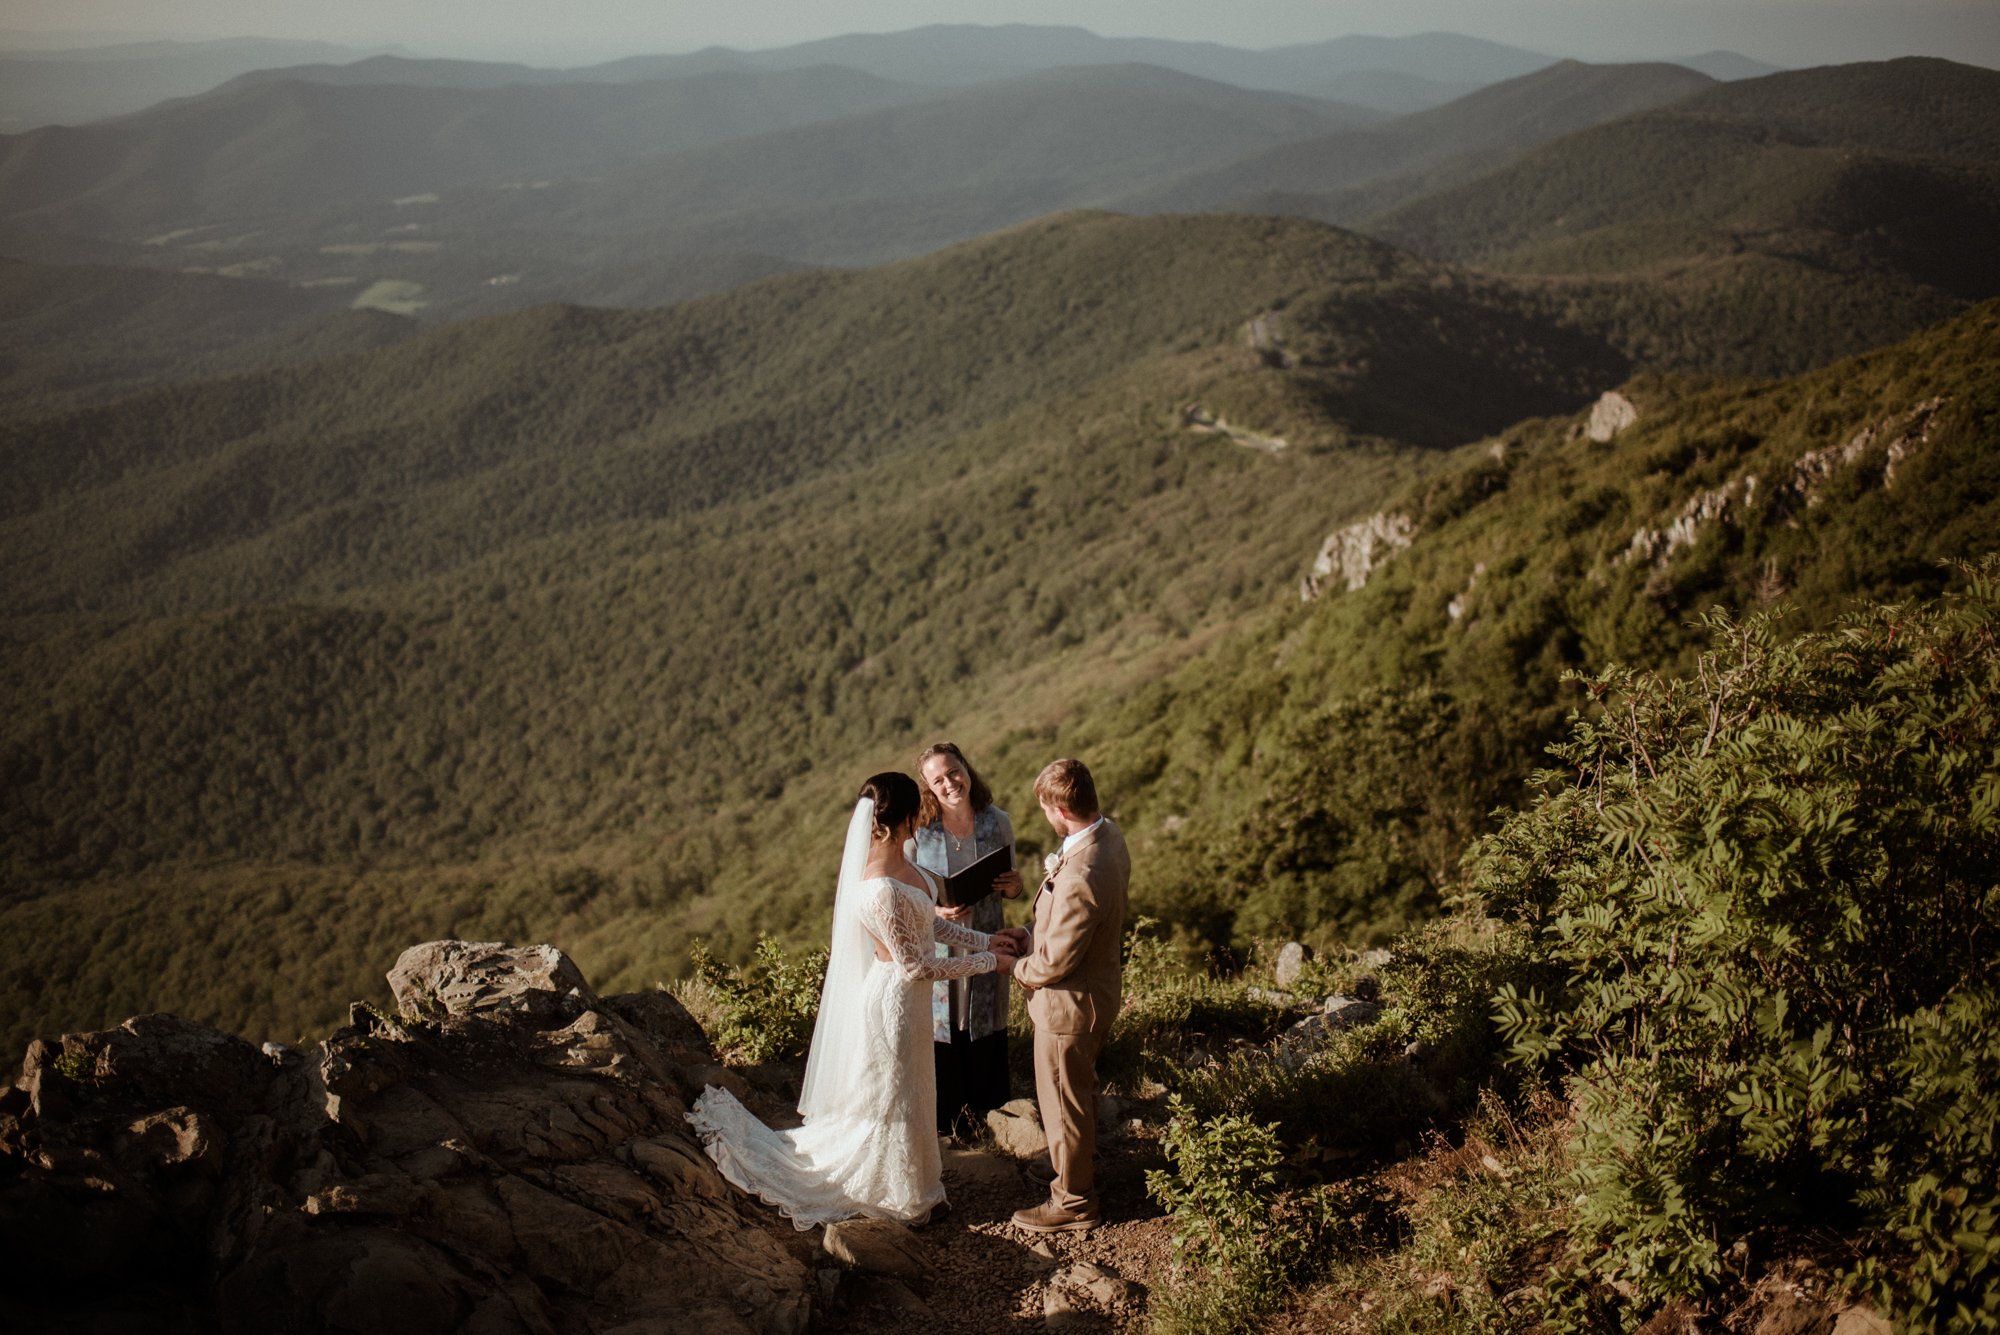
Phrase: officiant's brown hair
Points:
(1067, 784)
(976, 789)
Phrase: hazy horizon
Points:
(1779, 32)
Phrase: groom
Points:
(1071, 964)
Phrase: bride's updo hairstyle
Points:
(896, 799)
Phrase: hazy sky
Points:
(1786, 32)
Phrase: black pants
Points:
(971, 1079)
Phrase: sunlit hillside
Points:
(580, 623)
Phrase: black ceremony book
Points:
(975, 882)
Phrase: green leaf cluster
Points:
(1770, 885)
(760, 1013)
(1237, 1246)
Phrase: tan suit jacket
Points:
(1073, 962)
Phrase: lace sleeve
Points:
(943, 929)
(896, 920)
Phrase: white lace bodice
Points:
(902, 918)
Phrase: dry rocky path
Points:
(986, 1275)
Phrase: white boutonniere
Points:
(1049, 864)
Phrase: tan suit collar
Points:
(1085, 840)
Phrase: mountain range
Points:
(329, 627)
(68, 86)
(1353, 173)
(461, 200)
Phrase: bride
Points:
(868, 1145)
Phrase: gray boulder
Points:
(1017, 1129)
(1292, 957)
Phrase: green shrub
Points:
(1771, 884)
(1933, 1181)
(761, 1013)
(1238, 1244)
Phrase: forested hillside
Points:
(1319, 775)
(579, 622)
(73, 334)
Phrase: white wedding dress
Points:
(869, 1143)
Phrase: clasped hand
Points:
(1012, 940)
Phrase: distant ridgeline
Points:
(582, 625)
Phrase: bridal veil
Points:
(840, 1034)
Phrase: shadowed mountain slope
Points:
(1760, 156)
(1792, 217)
(1351, 173)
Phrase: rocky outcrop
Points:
(508, 1154)
(1337, 1015)
(1611, 414)
(1293, 957)
(1349, 556)
(1656, 545)
(1883, 445)
(1261, 333)
(1893, 439)
(1461, 603)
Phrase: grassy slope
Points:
(581, 625)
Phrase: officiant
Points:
(959, 824)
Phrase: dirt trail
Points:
(991, 1276)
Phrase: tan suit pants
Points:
(1066, 1092)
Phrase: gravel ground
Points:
(990, 1276)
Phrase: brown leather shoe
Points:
(1048, 1217)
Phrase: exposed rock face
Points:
(1611, 414)
(1354, 553)
(1716, 505)
(509, 1156)
(1883, 445)
(1895, 437)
